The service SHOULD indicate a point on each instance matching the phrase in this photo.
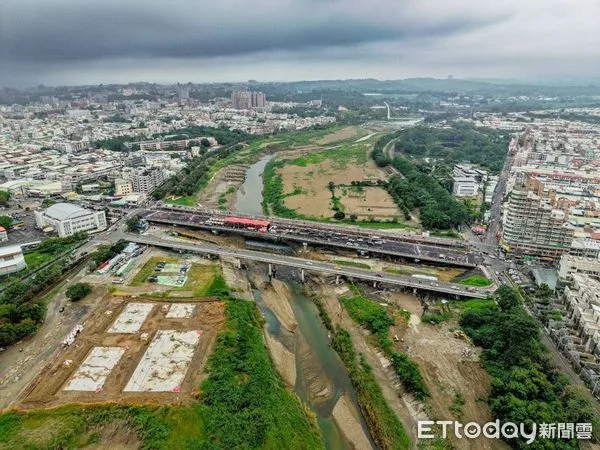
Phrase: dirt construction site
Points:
(132, 349)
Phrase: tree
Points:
(77, 291)
(353, 217)
(205, 142)
(4, 198)
(5, 222)
(133, 222)
(339, 215)
(507, 298)
(331, 186)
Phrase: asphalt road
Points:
(331, 236)
(316, 266)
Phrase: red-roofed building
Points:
(3, 234)
(257, 225)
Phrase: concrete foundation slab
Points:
(181, 311)
(92, 373)
(165, 363)
(131, 318)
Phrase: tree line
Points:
(195, 175)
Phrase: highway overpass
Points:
(317, 234)
(312, 266)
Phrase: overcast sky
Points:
(112, 41)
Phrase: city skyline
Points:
(108, 42)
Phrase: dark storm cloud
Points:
(70, 41)
(51, 30)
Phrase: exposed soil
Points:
(315, 201)
(449, 374)
(392, 392)
(276, 297)
(283, 359)
(368, 202)
(46, 389)
(339, 135)
(117, 435)
(347, 418)
(225, 178)
(20, 363)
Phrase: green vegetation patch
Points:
(360, 265)
(477, 281)
(375, 318)
(526, 386)
(186, 200)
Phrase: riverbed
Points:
(321, 379)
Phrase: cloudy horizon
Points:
(61, 42)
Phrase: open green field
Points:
(36, 259)
(188, 200)
(243, 404)
(477, 281)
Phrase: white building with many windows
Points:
(68, 219)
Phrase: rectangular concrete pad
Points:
(92, 373)
(131, 318)
(181, 311)
(165, 363)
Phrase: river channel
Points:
(316, 361)
(249, 196)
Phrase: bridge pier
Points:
(302, 275)
(337, 279)
(270, 269)
(239, 263)
(374, 284)
(305, 246)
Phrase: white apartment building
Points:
(147, 180)
(11, 259)
(68, 219)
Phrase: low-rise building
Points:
(3, 234)
(68, 219)
(570, 265)
(123, 187)
(11, 259)
(467, 180)
(582, 301)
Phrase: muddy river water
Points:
(249, 197)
